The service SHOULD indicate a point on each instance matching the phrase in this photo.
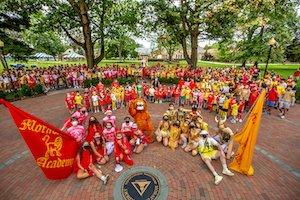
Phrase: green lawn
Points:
(283, 69)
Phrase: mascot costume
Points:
(138, 109)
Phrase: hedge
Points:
(94, 81)
(25, 91)
(169, 80)
(298, 91)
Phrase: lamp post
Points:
(271, 43)
(4, 63)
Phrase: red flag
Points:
(53, 150)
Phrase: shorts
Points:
(271, 103)
(210, 155)
(110, 147)
(95, 103)
(284, 104)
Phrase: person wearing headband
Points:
(207, 149)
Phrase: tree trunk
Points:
(170, 55)
(244, 63)
(185, 52)
(194, 50)
(88, 44)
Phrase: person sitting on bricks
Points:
(139, 140)
(85, 167)
(163, 132)
(193, 139)
(207, 149)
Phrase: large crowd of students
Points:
(227, 92)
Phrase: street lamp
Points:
(271, 43)
(2, 55)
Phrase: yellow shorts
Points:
(209, 155)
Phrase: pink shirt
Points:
(127, 127)
(109, 135)
(111, 119)
(77, 132)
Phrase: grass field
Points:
(283, 69)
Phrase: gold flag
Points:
(242, 161)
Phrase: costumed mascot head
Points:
(138, 109)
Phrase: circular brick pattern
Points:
(154, 183)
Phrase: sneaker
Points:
(240, 120)
(218, 179)
(184, 145)
(227, 172)
(282, 117)
(105, 179)
(118, 168)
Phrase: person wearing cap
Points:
(98, 146)
(139, 140)
(109, 118)
(122, 151)
(163, 132)
(206, 148)
(85, 167)
(175, 132)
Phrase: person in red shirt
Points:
(93, 128)
(87, 100)
(122, 151)
(70, 103)
(210, 101)
(84, 167)
(241, 110)
(98, 146)
(272, 97)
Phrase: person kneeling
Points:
(85, 164)
(162, 132)
(139, 139)
(208, 152)
(122, 151)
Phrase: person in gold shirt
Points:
(285, 102)
(163, 131)
(174, 135)
(193, 139)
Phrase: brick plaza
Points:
(276, 161)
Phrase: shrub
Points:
(11, 96)
(169, 80)
(298, 91)
(2, 94)
(38, 89)
(26, 91)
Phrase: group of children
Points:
(99, 140)
(188, 129)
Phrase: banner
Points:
(247, 139)
(53, 150)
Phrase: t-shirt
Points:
(78, 99)
(77, 132)
(207, 144)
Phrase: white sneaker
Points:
(282, 117)
(184, 145)
(218, 179)
(118, 168)
(240, 120)
(227, 172)
(105, 179)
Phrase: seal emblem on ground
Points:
(141, 183)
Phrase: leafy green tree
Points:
(169, 43)
(122, 47)
(14, 18)
(41, 40)
(86, 22)
(187, 21)
(258, 21)
(292, 51)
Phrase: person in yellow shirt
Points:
(285, 102)
(225, 107)
(78, 100)
(234, 111)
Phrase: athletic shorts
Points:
(271, 103)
